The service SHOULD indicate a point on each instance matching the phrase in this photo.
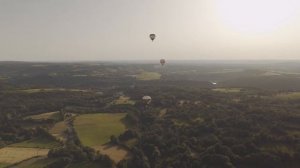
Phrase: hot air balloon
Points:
(147, 99)
(152, 37)
(162, 62)
(214, 83)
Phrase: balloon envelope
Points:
(147, 99)
(152, 36)
(162, 62)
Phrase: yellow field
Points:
(11, 155)
(131, 142)
(148, 76)
(279, 148)
(116, 153)
(58, 130)
(289, 96)
(30, 163)
(43, 116)
(227, 90)
(124, 100)
(36, 162)
(162, 112)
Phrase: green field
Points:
(227, 90)
(148, 76)
(3, 165)
(39, 142)
(96, 129)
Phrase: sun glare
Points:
(257, 16)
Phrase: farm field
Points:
(12, 155)
(50, 90)
(162, 112)
(44, 116)
(227, 90)
(58, 130)
(288, 96)
(116, 153)
(148, 76)
(96, 129)
(39, 142)
(130, 143)
(83, 164)
(3, 165)
(36, 162)
(124, 100)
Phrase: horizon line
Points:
(143, 60)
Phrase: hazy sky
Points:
(68, 30)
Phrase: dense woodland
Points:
(187, 125)
(218, 132)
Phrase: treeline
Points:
(20, 104)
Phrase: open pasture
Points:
(36, 162)
(44, 116)
(11, 155)
(50, 90)
(227, 90)
(39, 142)
(96, 129)
(3, 165)
(148, 76)
(288, 96)
(116, 153)
(124, 100)
(58, 130)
